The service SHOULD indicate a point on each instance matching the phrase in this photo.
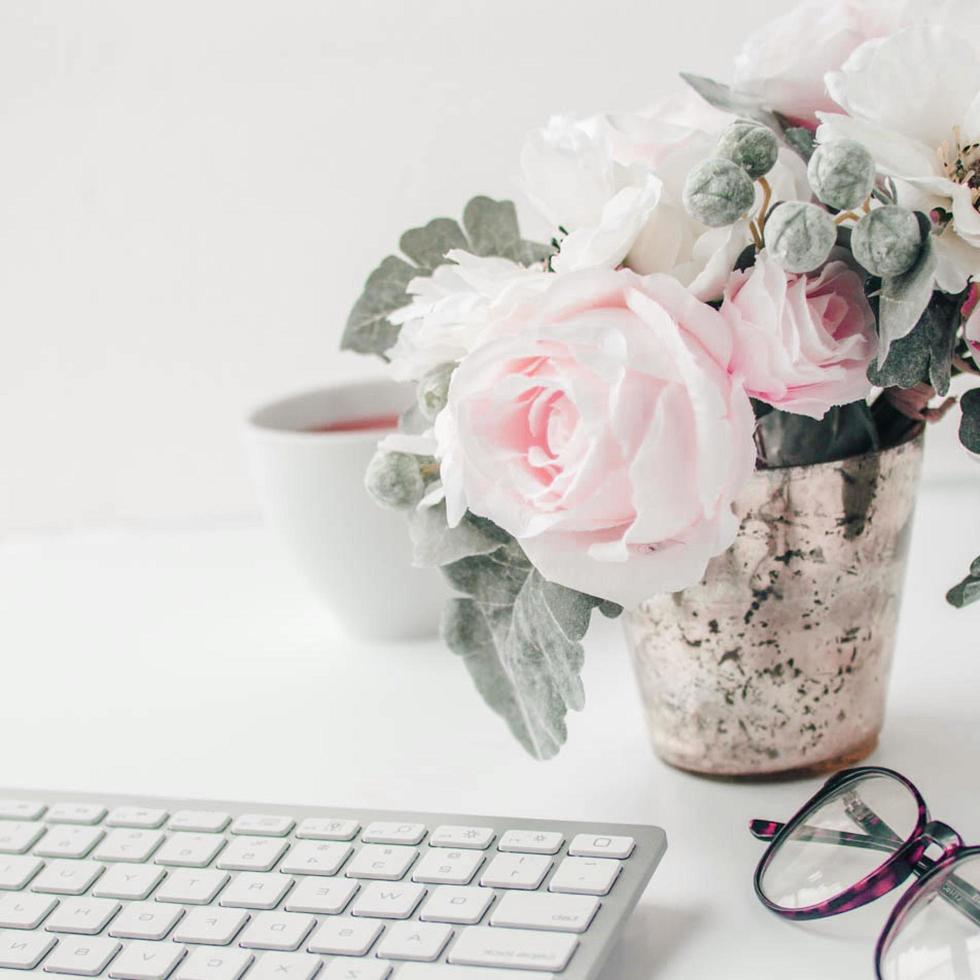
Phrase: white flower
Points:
(450, 309)
(913, 99)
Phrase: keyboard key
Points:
(315, 858)
(146, 920)
(585, 876)
(199, 821)
(62, 877)
(475, 838)
(213, 927)
(256, 890)
(85, 956)
(24, 950)
(598, 845)
(134, 846)
(285, 966)
(422, 941)
(382, 832)
(19, 836)
(145, 818)
(531, 841)
(192, 887)
(146, 961)
(325, 828)
(383, 863)
(24, 911)
(457, 904)
(362, 970)
(516, 871)
(16, 872)
(440, 866)
(69, 842)
(321, 896)
(486, 946)
(283, 931)
(80, 813)
(21, 809)
(83, 916)
(384, 901)
(129, 881)
(209, 964)
(562, 913)
(185, 850)
(345, 936)
(435, 971)
(262, 825)
(252, 854)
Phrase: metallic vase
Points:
(778, 661)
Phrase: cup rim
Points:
(255, 425)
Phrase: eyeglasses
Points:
(861, 836)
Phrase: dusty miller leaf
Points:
(740, 104)
(801, 140)
(427, 247)
(967, 591)
(368, 329)
(970, 422)
(436, 543)
(904, 298)
(520, 638)
(926, 353)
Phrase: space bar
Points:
(433, 971)
(519, 949)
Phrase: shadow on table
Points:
(651, 937)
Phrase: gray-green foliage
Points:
(749, 145)
(967, 591)
(800, 139)
(903, 299)
(718, 192)
(887, 240)
(723, 97)
(489, 228)
(970, 420)
(520, 638)
(435, 543)
(800, 236)
(841, 173)
(394, 480)
(925, 354)
(433, 390)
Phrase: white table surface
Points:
(194, 663)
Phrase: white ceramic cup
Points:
(355, 554)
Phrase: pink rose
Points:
(599, 426)
(784, 63)
(802, 343)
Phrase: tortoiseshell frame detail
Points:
(906, 858)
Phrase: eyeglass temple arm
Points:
(955, 890)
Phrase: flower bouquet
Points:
(777, 272)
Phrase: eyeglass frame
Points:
(907, 860)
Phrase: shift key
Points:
(515, 948)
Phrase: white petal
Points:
(895, 154)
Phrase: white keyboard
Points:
(146, 889)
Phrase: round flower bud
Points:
(434, 390)
(800, 236)
(718, 192)
(394, 480)
(842, 174)
(751, 146)
(887, 241)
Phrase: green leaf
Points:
(436, 543)
(798, 440)
(520, 638)
(801, 140)
(368, 329)
(727, 99)
(967, 591)
(427, 247)
(925, 354)
(970, 422)
(904, 299)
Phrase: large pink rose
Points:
(599, 426)
(802, 343)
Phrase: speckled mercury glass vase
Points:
(778, 661)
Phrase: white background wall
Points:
(192, 192)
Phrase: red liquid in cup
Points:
(368, 423)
